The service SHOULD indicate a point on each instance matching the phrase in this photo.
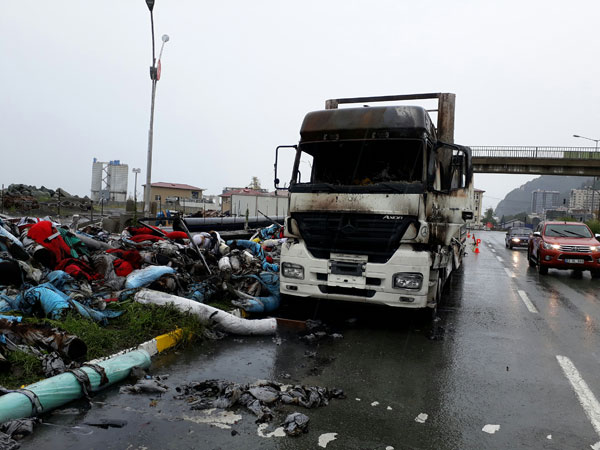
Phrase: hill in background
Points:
(519, 200)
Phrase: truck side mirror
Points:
(597, 236)
(537, 233)
(276, 179)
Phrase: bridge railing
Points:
(576, 153)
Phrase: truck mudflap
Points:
(352, 278)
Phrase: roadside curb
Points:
(154, 346)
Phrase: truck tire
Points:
(542, 270)
(595, 274)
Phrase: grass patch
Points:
(24, 369)
(594, 225)
(139, 323)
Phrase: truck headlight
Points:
(516, 240)
(290, 270)
(407, 280)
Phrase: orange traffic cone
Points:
(476, 249)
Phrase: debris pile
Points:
(24, 197)
(47, 269)
(259, 398)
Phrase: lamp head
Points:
(165, 38)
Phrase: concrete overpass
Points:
(583, 161)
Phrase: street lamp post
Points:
(594, 185)
(154, 76)
(136, 171)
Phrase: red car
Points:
(564, 245)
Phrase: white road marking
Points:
(493, 251)
(491, 429)
(509, 273)
(530, 306)
(374, 403)
(586, 397)
(499, 259)
(596, 446)
(389, 408)
(549, 436)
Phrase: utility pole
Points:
(155, 69)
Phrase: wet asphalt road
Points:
(493, 361)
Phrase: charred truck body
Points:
(382, 218)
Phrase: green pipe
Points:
(61, 389)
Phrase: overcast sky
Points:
(238, 77)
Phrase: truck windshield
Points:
(363, 163)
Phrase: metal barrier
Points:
(574, 153)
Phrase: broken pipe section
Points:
(53, 392)
(209, 315)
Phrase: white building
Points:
(543, 200)
(109, 181)
(586, 199)
(236, 202)
(477, 204)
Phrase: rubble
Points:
(259, 398)
(47, 269)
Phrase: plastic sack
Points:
(4, 232)
(257, 251)
(144, 277)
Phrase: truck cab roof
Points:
(379, 122)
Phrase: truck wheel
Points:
(542, 270)
(595, 274)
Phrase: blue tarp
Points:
(270, 281)
(144, 277)
(54, 302)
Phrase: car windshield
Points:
(520, 231)
(567, 230)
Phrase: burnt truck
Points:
(381, 218)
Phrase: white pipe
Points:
(207, 314)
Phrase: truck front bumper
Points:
(374, 285)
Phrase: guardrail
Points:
(574, 153)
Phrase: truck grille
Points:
(374, 235)
(575, 248)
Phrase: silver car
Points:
(517, 237)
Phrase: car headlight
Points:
(407, 280)
(548, 246)
(516, 240)
(593, 249)
(290, 270)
